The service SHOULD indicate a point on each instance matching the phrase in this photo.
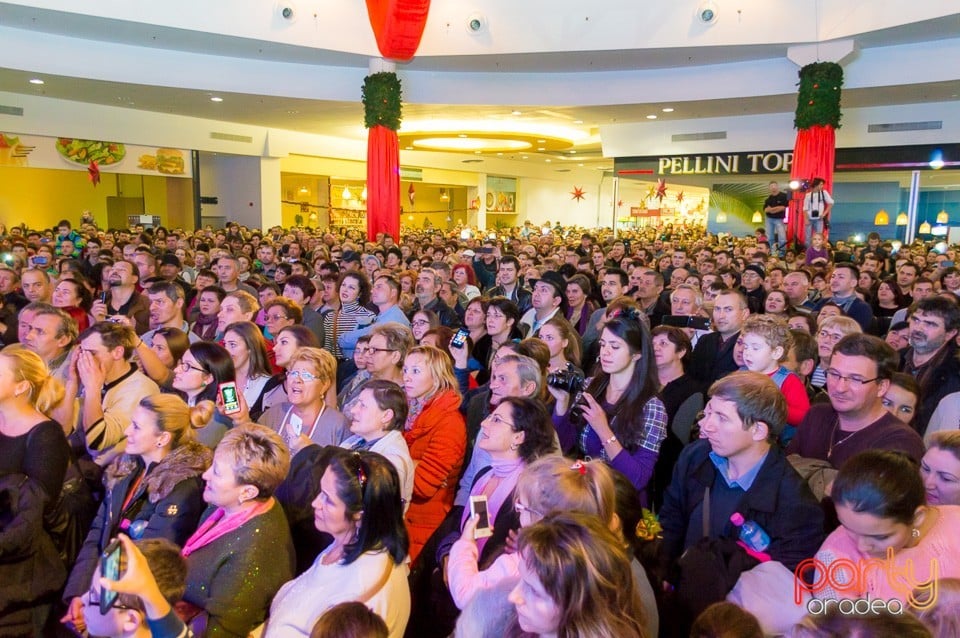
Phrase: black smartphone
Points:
(110, 569)
(228, 394)
(685, 321)
(103, 297)
(478, 506)
(460, 338)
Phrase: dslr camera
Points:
(570, 380)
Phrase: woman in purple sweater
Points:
(619, 416)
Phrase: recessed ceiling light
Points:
(499, 154)
(523, 157)
(292, 112)
(668, 109)
(578, 121)
(651, 117)
(573, 152)
(216, 99)
(408, 148)
(36, 81)
(477, 152)
(541, 148)
(548, 160)
(462, 135)
(541, 141)
(579, 164)
(516, 113)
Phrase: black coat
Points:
(30, 566)
(169, 499)
(935, 384)
(713, 358)
(778, 500)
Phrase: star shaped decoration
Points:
(578, 193)
(680, 197)
(620, 204)
(651, 192)
(661, 189)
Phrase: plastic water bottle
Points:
(751, 534)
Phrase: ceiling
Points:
(343, 118)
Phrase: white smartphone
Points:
(228, 394)
(478, 506)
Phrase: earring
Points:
(514, 446)
(915, 533)
(159, 444)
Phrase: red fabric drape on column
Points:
(813, 156)
(383, 183)
(398, 26)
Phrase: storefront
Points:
(875, 188)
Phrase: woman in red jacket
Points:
(437, 437)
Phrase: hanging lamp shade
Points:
(943, 217)
(881, 218)
(757, 217)
(902, 219)
(924, 228)
(346, 195)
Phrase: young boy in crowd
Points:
(766, 343)
(153, 578)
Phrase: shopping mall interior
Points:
(596, 114)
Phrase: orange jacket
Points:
(437, 442)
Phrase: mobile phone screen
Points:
(231, 402)
(460, 338)
(110, 569)
(478, 507)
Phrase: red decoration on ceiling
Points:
(661, 189)
(398, 26)
(620, 204)
(578, 193)
(94, 172)
(680, 197)
(411, 194)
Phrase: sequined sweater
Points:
(235, 577)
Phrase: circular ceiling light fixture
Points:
(707, 13)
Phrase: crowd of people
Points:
(542, 431)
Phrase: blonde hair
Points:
(45, 391)
(176, 417)
(773, 330)
(440, 367)
(555, 484)
(846, 325)
(258, 457)
(948, 441)
(248, 303)
(942, 617)
(321, 360)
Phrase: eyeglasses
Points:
(276, 317)
(421, 322)
(372, 350)
(303, 376)
(93, 598)
(520, 508)
(835, 377)
(830, 336)
(499, 420)
(185, 365)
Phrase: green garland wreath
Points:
(382, 101)
(818, 102)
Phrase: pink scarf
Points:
(220, 524)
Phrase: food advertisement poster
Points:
(111, 157)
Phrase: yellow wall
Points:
(42, 197)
